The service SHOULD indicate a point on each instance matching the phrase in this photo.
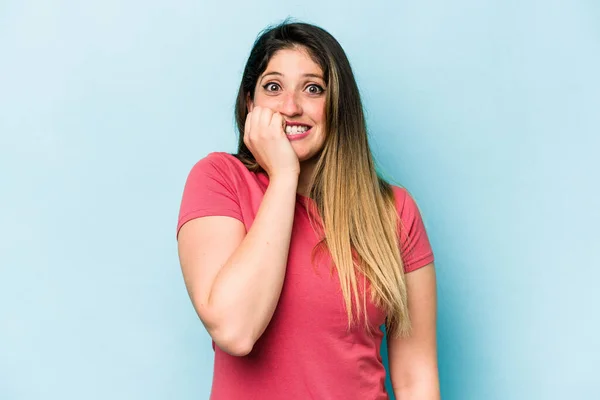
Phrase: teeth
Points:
(293, 130)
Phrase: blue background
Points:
(487, 111)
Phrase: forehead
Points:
(295, 61)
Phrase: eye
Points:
(315, 89)
(271, 87)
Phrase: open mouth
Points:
(296, 129)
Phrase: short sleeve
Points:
(415, 248)
(209, 191)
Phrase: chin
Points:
(306, 151)
(302, 153)
(307, 157)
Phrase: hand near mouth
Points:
(293, 129)
(265, 136)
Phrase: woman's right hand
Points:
(264, 135)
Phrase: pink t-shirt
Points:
(306, 352)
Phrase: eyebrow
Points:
(305, 75)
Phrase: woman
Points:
(294, 252)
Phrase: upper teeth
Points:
(295, 129)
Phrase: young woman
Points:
(294, 252)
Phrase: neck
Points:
(306, 169)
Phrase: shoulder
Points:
(211, 189)
(415, 248)
(217, 160)
(409, 214)
(217, 164)
(404, 200)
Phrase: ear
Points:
(249, 103)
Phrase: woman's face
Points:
(294, 86)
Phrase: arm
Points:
(413, 359)
(234, 279)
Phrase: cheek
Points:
(265, 101)
(317, 113)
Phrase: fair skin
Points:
(413, 365)
(235, 277)
(293, 88)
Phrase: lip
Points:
(292, 123)
(298, 136)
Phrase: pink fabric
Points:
(306, 351)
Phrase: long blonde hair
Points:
(357, 207)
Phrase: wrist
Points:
(287, 180)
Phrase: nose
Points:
(290, 105)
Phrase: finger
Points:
(278, 122)
(247, 123)
(256, 112)
(265, 117)
(247, 126)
